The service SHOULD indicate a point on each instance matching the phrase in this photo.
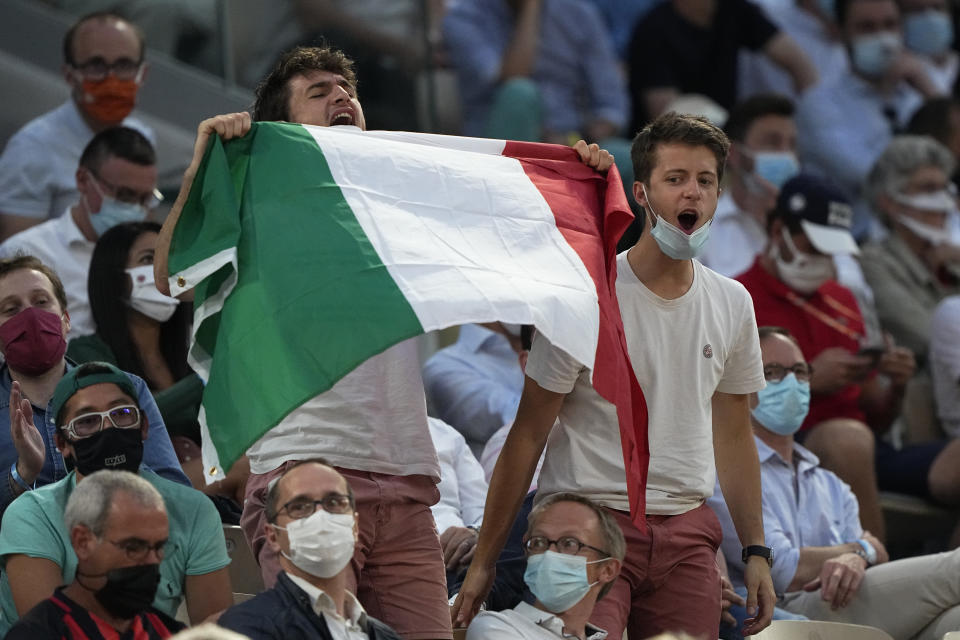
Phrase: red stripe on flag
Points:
(593, 231)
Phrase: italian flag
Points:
(311, 249)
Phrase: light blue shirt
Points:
(842, 130)
(576, 69)
(803, 506)
(474, 385)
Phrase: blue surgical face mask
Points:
(873, 54)
(776, 167)
(783, 405)
(673, 241)
(929, 32)
(113, 212)
(558, 580)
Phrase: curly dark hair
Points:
(272, 103)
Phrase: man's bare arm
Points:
(227, 126)
(515, 467)
(738, 469)
(787, 54)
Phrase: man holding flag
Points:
(372, 423)
(693, 346)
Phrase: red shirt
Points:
(829, 317)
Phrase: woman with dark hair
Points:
(139, 329)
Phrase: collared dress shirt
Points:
(59, 244)
(39, 164)
(735, 239)
(463, 487)
(525, 622)
(474, 385)
(350, 626)
(804, 505)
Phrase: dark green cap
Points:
(85, 375)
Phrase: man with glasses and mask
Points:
(117, 525)
(312, 525)
(574, 553)
(103, 63)
(101, 426)
(825, 565)
(793, 285)
(117, 181)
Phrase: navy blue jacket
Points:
(285, 613)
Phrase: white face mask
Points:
(145, 298)
(938, 201)
(321, 544)
(806, 273)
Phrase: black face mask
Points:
(113, 449)
(128, 591)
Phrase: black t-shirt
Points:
(668, 51)
(59, 617)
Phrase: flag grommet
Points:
(181, 281)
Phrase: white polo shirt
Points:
(682, 351)
(60, 245)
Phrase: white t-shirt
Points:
(59, 244)
(682, 351)
(374, 419)
(39, 164)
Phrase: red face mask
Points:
(33, 341)
(109, 100)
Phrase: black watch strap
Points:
(757, 550)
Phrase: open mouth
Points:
(344, 117)
(687, 221)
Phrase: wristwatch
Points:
(757, 550)
(867, 552)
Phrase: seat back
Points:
(815, 630)
(244, 570)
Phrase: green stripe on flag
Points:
(299, 318)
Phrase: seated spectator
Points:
(474, 384)
(928, 32)
(567, 582)
(691, 46)
(463, 492)
(312, 525)
(763, 144)
(533, 70)
(945, 364)
(100, 425)
(33, 329)
(825, 565)
(139, 329)
(117, 180)
(884, 85)
(117, 526)
(792, 286)
(918, 263)
(811, 24)
(103, 65)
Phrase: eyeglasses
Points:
(130, 196)
(331, 503)
(89, 424)
(97, 69)
(567, 544)
(137, 550)
(774, 372)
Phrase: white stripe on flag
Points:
(467, 237)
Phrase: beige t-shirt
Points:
(682, 351)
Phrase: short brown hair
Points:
(675, 128)
(21, 261)
(272, 103)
